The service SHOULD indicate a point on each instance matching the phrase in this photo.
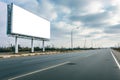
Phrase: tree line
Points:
(47, 48)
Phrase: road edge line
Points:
(115, 60)
(40, 70)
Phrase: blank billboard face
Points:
(28, 24)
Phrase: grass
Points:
(118, 49)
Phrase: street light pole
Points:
(72, 37)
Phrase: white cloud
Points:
(114, 20)
(63, 26)
(2, 12)
(88, 31)
(78, 23)
(115, 2)
(67, 27)
(43, 8)
(47, 9)
(104, 13)
(7, 1)
(64, 9)
(114, 14)
(94, 7)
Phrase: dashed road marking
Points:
(39, 70)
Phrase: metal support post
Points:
(72, 37)
(16, 44)
(32, 45)
(43, 46)
(85, 44)
(72, 40)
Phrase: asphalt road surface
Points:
(88, 65)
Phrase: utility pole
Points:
(72, 37)
(85, 44)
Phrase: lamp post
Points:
(72, 37)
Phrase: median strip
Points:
(44, 69)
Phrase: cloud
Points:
(7, 1)
(97, 19)
(64, 10)
(113, 30)
(93, 7)
(42, 8)
(3, 19)
(47, 8)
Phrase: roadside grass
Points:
(117, 49)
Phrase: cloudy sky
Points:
(98, 21)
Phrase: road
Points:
(87, 65)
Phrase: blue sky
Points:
(98, 21)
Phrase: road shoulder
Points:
(117, 55)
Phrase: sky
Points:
(98, 22)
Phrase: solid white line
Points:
(115, 60)
(39, 70)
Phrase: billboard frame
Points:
(16, 35)
(9, 25)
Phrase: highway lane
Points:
(89, 65)
(17, 66)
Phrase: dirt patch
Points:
(71, 63)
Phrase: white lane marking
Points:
(115, 60)
(39, 70)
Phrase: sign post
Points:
(43, 46)
(16, 44)
(32, 45)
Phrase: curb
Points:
(28, 54)
(4, 56)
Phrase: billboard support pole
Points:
(32, 45)
(16, 44)
(43, 46)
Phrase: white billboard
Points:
(22, 22)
